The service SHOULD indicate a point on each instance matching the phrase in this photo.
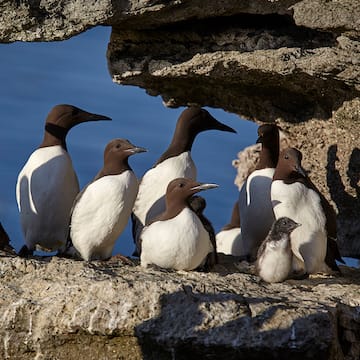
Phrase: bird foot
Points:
(25, 252)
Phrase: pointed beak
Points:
(85, 116)
(300, 170)
(217, 125)
(137, 150)
(259, 140)
(296, 225)
(204, 186)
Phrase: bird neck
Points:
(182, 141)
(174, 207)
(54, 135)
(288, 177)
(115, 167)
(269, 156)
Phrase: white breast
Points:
(255, 208)
(45, 190)
(180, 243)
(150, 201)
(228, 242)
(309, 240)
(101, 214)
(274, 265)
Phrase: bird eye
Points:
(181, 185)
(118, 146)
(286, 157)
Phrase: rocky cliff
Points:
(293, 62)
(55, 308)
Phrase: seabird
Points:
(274, 257)
(47, 184)
(5, 241)
(175, 162)
(102, 209)
(255, 208)
(295, 196)
(177, 239)
(228, 238)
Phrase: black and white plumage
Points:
(228, 238)
(274, 257)
(294, 195)
(177, 239)
(198, 205)
(47, 184)
(175, 162)
(102, 209)
(255, 208)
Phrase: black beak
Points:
(217, 125)
(300, 170)
(85, 116)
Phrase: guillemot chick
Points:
(274, 257)
(47, 184)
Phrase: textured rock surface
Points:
(56, 308)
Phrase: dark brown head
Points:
(268, 136)
(196, 120)
(61, 119)
(116, 156)
(289, 167)
(181, 189)
(191, 122)
(68, 116)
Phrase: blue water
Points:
(36, 76)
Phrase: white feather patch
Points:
(150, 201)
(101, 214)
(45, 191)
(308, 241)
(255, 208)
(180, 243)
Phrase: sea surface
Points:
(36, 76)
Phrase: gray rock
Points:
(55, 308)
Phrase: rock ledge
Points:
(57, 308)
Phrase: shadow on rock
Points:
(347, 204)
(231, 326)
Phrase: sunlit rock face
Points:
(65, 309)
